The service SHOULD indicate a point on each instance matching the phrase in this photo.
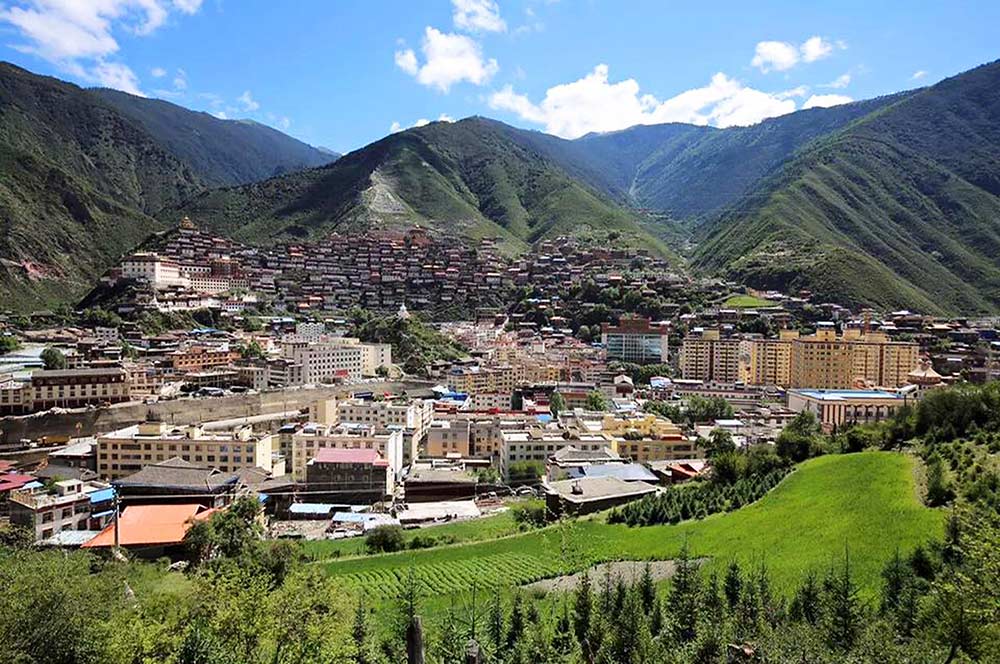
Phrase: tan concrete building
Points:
(73, 388)
(302, 444)
(706, 356)
(825, 361)
(123, 452)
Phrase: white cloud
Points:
(158, 72)
(800, 91)
(593, 104)
(421, 122)
(815, 48)
(841, 81)
(919, 74)
(188, 6)
(284, 122)
(781, 56)
(477, 16)
(407, 61)
(775, 56)
(221, 115)
(116, 75)
(825, 101)
(448, 59)
(77, 36)
(248, 102)
(180, 80)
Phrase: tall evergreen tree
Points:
(683, 597)
(496, 628)
(647, 588)
(359, 634)
(733, 584)
(583, 615)
(843, 611)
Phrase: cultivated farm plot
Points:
(862, 503)
(437, 578)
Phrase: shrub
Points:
(385, 539)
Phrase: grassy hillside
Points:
(803, 524)
(221, 152)
(692, 172)
(467, 177)
(901, 208)
(77, 181)
(82, 171)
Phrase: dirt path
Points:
(629, 570)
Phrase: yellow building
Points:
(646, 438)
(826, 361)
(768, 361)
(705, 356)
(822, 360)
(123, 452)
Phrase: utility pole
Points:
(117, 505)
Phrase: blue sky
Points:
(342, 74)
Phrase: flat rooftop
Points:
(845, 395)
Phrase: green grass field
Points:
(866, 502)
(746, 302)
(490, 527)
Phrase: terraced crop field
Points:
(866, 503)
(502, 569)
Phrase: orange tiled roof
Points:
(145, 525)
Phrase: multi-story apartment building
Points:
(643, 438)
(486, 379)
(635, 339)
(74, 388)
(331, 358)
(768, 361)
(825, 361)
(706, 356)
(15, 395)
(540, 444)
(411, 414)
(302, 443)
(67, 506)
(822, 360)
(126, 451)
(449, 437)
(200, 358)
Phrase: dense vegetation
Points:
(897, 209)
(415, 344)
(697, 501)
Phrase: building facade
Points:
(636, 340)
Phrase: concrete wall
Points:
(80, 422)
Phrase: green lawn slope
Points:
(866, 502)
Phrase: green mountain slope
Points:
(899, 209)
(222, 152)
(469, 177)
(692, 172)
(80, 178)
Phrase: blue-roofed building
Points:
(628, 472)
(846, 407)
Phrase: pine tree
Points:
(647, 589)
(712, 604)
(583, 615)
(495, 625)
(843, 612)
(733, 584)
(451, 647)
(806, 606)
(515, 631)
(683, 598)
(562, 641)
(359, 634)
